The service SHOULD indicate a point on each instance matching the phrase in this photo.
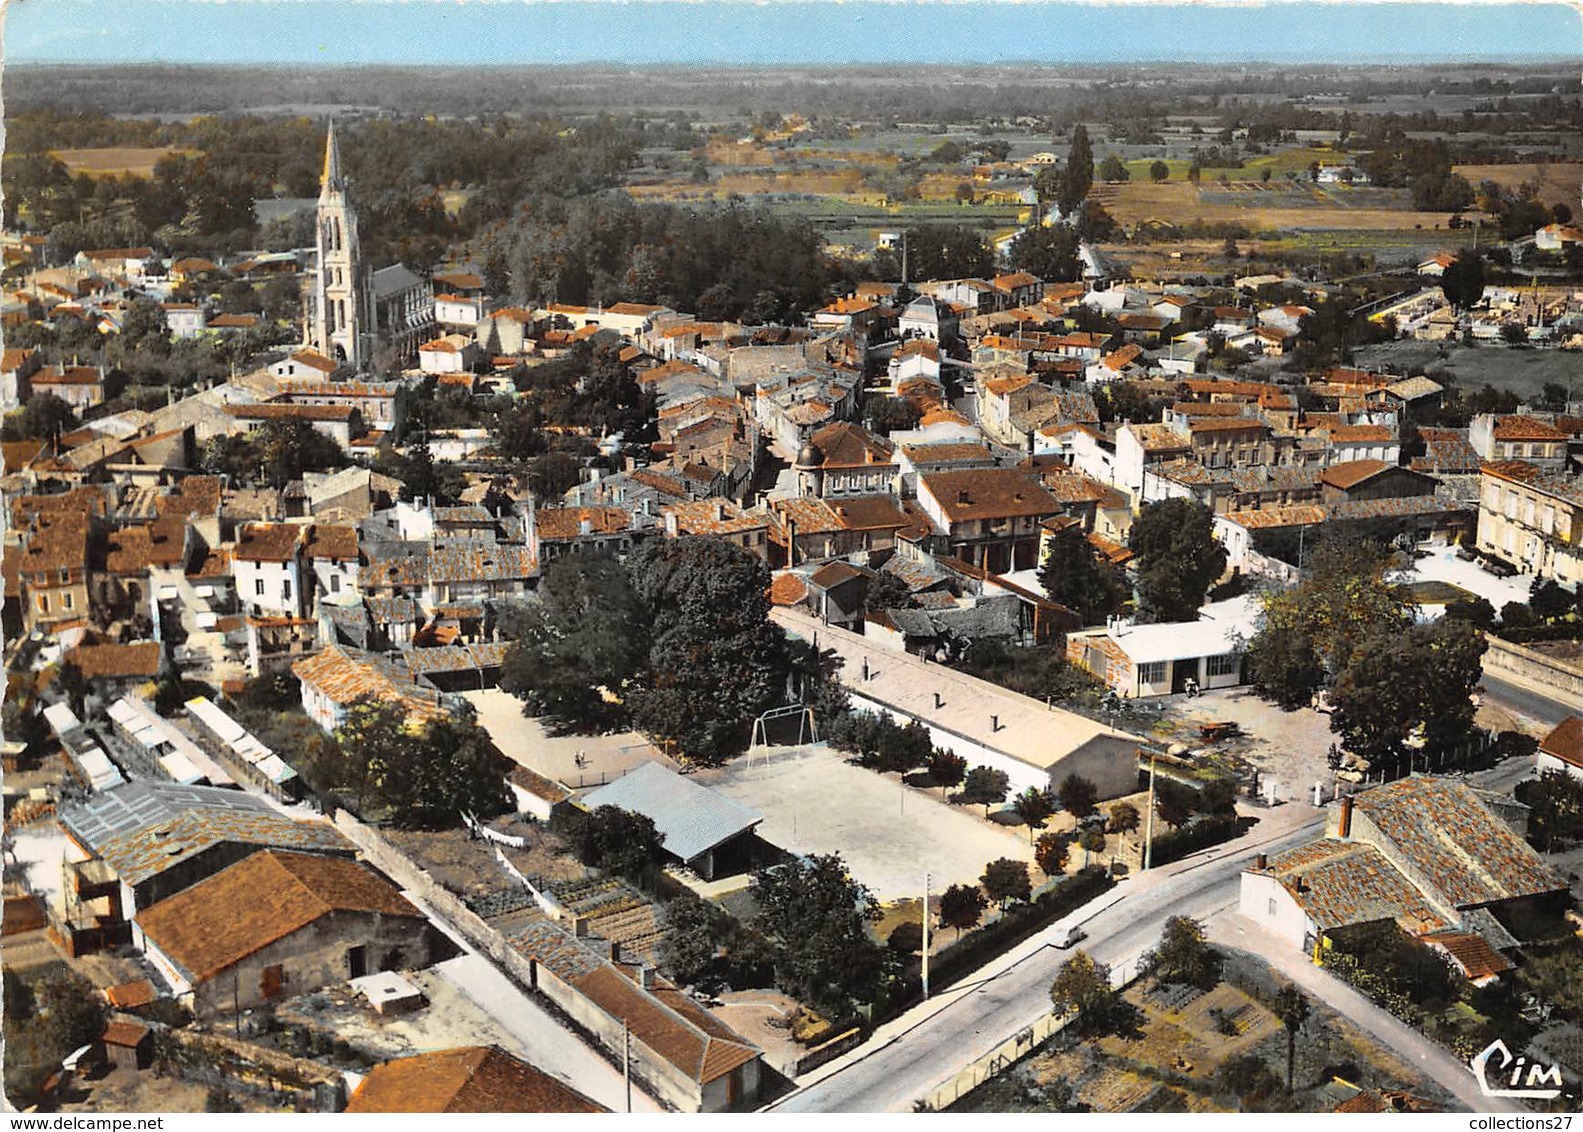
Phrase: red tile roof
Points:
(1565, 742)
(263, 898)
(469, 1079)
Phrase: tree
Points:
(1291, 1007)
(1034, 807)
(906, 938)
(985, 786)
(587, 632)
(615, 841)
(1050, 853)
(1006, 880)
(1174, 802)
(1159, 172)
(961, 906)
(1555, 977)
(1082, 987)
(1050, 253)
(1555, 808)
(422, 779)
(1124, 817)
(815, 918)
(1477, 612)
(47, 417)
(1403, 684)
(715, 661)
(1179, 558)
(1184, 955)
(946, 769)
(1078, 175)
(1092, 841)
(1549, 601)
(1285, 668)
(1112, 170)
(689, 947)
(1195, 172)
(1346, 596)
(1077, 796)
(1517, 615)
(1074, 575)
(1462, 282)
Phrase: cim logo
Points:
(1496, 1081)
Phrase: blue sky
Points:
(305, 32)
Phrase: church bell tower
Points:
(334, 311)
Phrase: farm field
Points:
(114, 161)
(1259, 207)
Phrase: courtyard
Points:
(577, 761)
(888, 834)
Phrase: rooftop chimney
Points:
(585, 526)
(646, 976)
(1261, 861)
(963, 496)
(1344, 826)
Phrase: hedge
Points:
(1528, 634)
(1178, 843)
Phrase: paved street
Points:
(908, 1057)
(1542, 708)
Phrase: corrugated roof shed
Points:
(692, 819)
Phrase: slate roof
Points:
(468, 1079)
(691, 818)
(263, 898)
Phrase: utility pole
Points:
(926, 937)
(1148, 831)
(626, 1061)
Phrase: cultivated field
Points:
(1258, 206)
(115, 161)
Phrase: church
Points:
(350, 314)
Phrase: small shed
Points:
(535, 794)
(127, 1043)
(699, 825)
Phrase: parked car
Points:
(1066, 937)
(1498, 566)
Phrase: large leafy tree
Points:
(985, 786)
(616, 841)
(941, 251)
(422, 778)
(961, 906)
(1050, 253)
(1074, 575)
(1179, 558)
(1311, 631)
(1184, 954)
(1462, 282)
(588, 631)
(1555, 808)
(715, 660)
(1082, 986)
(1006, 880)
(1404, 683)
(816, 918)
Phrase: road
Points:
(1526, 701)
(906, 1059)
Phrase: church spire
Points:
(332, 162)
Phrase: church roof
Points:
(392, 280)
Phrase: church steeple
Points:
(331, 181)
(334, 309)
